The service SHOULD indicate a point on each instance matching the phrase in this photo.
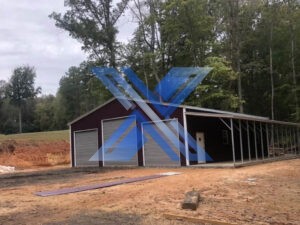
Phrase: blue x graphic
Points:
(173, 89)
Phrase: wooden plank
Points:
(196, 220)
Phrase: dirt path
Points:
(261, 194)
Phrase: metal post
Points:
(262, 142)
(268, 144)
(282, 139)
(291, 139)
(248, 141)
(295, 140)
(298, 140)
(277, 138)
(255, 143)
(241, 141)
(186, 143)
(232, 141)
(273, 140)
(286, 138)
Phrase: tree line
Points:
(253, 46)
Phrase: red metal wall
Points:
(112, 110)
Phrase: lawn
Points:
(48, 136)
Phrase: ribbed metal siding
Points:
(154, 155)
(86, 144)
(109, 129)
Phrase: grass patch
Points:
(60, 135)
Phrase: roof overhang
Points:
(204, 112)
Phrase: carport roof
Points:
(199, 111)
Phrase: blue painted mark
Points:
(150, 128)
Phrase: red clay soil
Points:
(31, 154)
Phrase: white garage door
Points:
(161, 143)
(86, 144)
(120, 141)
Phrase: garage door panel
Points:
(86, 144)
(161, 148)
(120, 142)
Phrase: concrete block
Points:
(191, 200)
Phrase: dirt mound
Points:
(30, 154)
(7, 146)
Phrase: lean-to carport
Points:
(255, 139)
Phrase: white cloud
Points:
(29, 37)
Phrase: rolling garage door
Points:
(86, 145)
(120, 141)
(161, 143)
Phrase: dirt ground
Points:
(24, 154)
(262, 194)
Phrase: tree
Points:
(218, 89)
(293, 14)
(79, 91)
(93, 22)
(21, 88)
(187, 30)
(3, 85)
(44, 113)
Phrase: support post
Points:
(291, 139)
(255, 142)
(232, 141)
(268, 144)
(295, 141)
(186, 144)
(273, 137)
(287, 138)
(248, 141)
(241, 142)
(277, 137)
(262, 142)
(298, 140)
(282, 139)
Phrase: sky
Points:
(29, 37)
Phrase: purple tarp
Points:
(103, 185)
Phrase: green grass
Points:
(38, 136)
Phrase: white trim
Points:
(102, 143)
(158, 121)
(143, 146)
(90, 129)
(80, 131)
(186, 142)
(208, 115)
(118, 118)
(71, 144)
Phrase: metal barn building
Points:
(228, 137)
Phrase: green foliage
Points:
(79, 92)
(9, 117)
(21, 91)
(44, 113)
(93, 23)
(217, 89)
(21, 85)
(187, 30)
